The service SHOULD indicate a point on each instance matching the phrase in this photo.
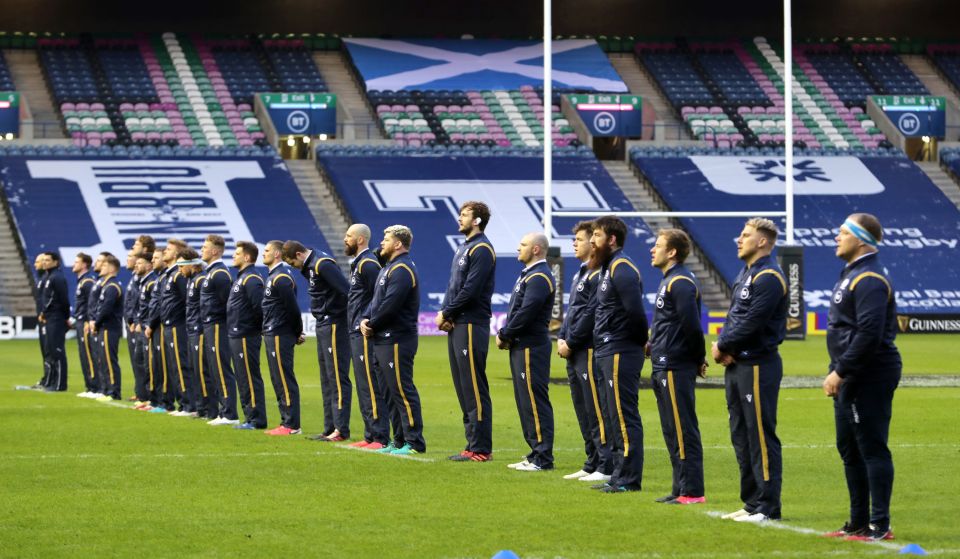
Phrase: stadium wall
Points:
(500, 18)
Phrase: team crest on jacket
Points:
(749, 397)
(464, 353)
(745, 292)
(663, 382)
(236, 287)
(462, 262)
(580, 286)
(659, 302)
(838, 296)
(267, 291)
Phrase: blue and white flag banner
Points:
(452, 64)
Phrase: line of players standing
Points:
(191, 326)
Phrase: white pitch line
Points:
(404, 456)
(780, 525)
(158, 455)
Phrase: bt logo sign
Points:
(909, 124)
(298, 121)
(604, 122)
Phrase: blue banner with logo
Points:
(95, 205)
(916, 123)
(425, 193)
(921, 226)
(309, 114)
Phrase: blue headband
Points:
(860, 233)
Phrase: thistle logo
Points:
(821, 176)
(776, 170)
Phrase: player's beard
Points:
(350, 250)
(600, 256)
(465, 229)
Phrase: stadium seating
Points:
(441, 150)
(148, 151)
(170, 89)
(495, 119)
(946, 57)
(6, 80)
(730, 93)
(950, 157)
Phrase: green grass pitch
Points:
(84, 479)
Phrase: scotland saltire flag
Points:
(433, 64)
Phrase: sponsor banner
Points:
(96, 205)
(25, 327)
(791, 260)
(610, 115)
(929, 323)
(453, 64)
(915, 115)
(19, 328)
(425, 193)
(920, 237)
(308, 114)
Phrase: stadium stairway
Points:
(716, 294)
(945, 181)
(358, 119)
(640, 83)
(928, 74)
(324, 204)
(28, 77)
(16, 285)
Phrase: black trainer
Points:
(872, 533)
(665, 499)
(847, 530)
